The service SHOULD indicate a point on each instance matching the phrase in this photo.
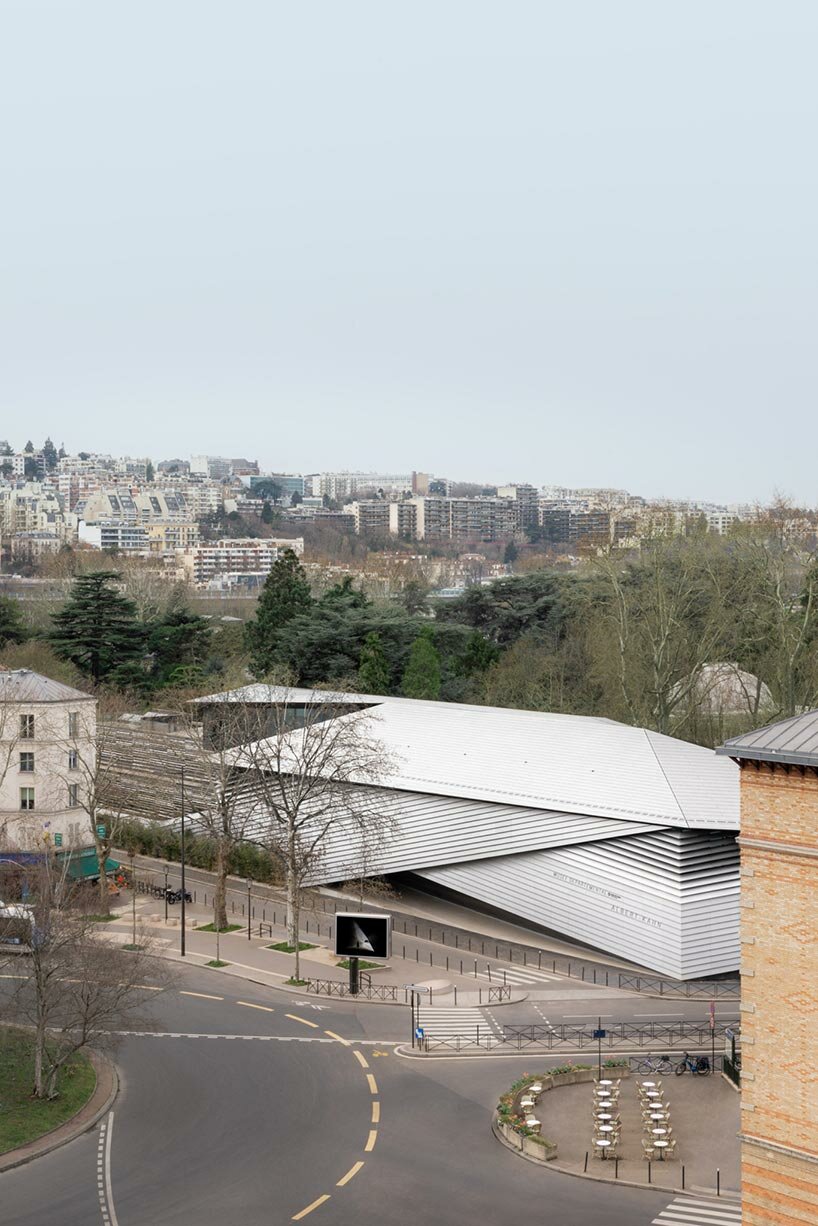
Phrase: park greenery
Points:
(25, 1117)
(652, 634)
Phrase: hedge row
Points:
(164, 843)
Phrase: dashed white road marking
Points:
(104, 1185)
(694, 1212)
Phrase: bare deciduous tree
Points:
(308, 775)
(78, 986)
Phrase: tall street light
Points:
(182, 849)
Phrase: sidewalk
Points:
(252, 959)
(444, 935)
(705, 1118)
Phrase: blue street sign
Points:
(419, 1032)
(600, 1034)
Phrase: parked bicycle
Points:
(654, 1064)
(699, 1066)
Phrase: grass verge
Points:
(362, 966)
(23, 1118)
(216, 962)
(212, 928)
(297, 983)
(284, 947)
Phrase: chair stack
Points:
(658, 1140)
(607, 1122)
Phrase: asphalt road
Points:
(271, 1128)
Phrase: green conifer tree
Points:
(421, 677)
(97, 628)
(373, 669)
(285, 594)
(12, 628)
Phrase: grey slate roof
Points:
(793, 740)
(22, 685)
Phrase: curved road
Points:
(278, 1117)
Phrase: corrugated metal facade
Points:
(667, 899)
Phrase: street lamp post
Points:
(249, 895)
(182, 854)
(167, 870)
(133, 894)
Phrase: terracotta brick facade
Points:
(779, 933)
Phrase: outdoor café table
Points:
(649, 1084)
(659, 1132)
(605, 1082)
(603, 1145)
(658, 1115)
(652, 1094)
(605, 1128)
(661, 1146)
(604, 1115)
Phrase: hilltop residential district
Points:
(561, 743)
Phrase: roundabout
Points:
(245, 1104)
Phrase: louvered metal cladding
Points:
(667, 900)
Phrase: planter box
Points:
(545, 1151)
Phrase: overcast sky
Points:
(548, 241)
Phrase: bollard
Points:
(683, 1177)
(455, 996)
(539, 959)
(461, 966)
(475, 968)
(455, 941)
(616, 1168)
(430, 958)
(718, 1182)
(447, 961)
(417, 955)
(585, 1168)
(649, 1179)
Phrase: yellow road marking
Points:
(370, 1141)
(201, 995)
(380, 1053)
(298, 1216)
(333, 1035)
(295, 1018)
(361, 1058)
(248, 1005)
(353, 1170)
(376, 1113)
(147, 987)
(373, 1085)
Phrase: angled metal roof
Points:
(793, 740)
(563, 763)
(22, 685)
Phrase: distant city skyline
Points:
(716, 497)
(544, 243)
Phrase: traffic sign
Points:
(101, 832)
(419, 1032)
(58, 839)
(600, 1034)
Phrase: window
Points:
(73, 724)
(73, 796)
(26, 799)
(27, 762)
(73, 759)
(26, 727)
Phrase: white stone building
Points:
(48, 744)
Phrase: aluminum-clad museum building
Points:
(613, 836)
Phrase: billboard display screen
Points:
(363, 936)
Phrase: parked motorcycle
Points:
(175, 896)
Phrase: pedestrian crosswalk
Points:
(469, 1025)
(689, 1211)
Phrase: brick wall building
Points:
(779, 965)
